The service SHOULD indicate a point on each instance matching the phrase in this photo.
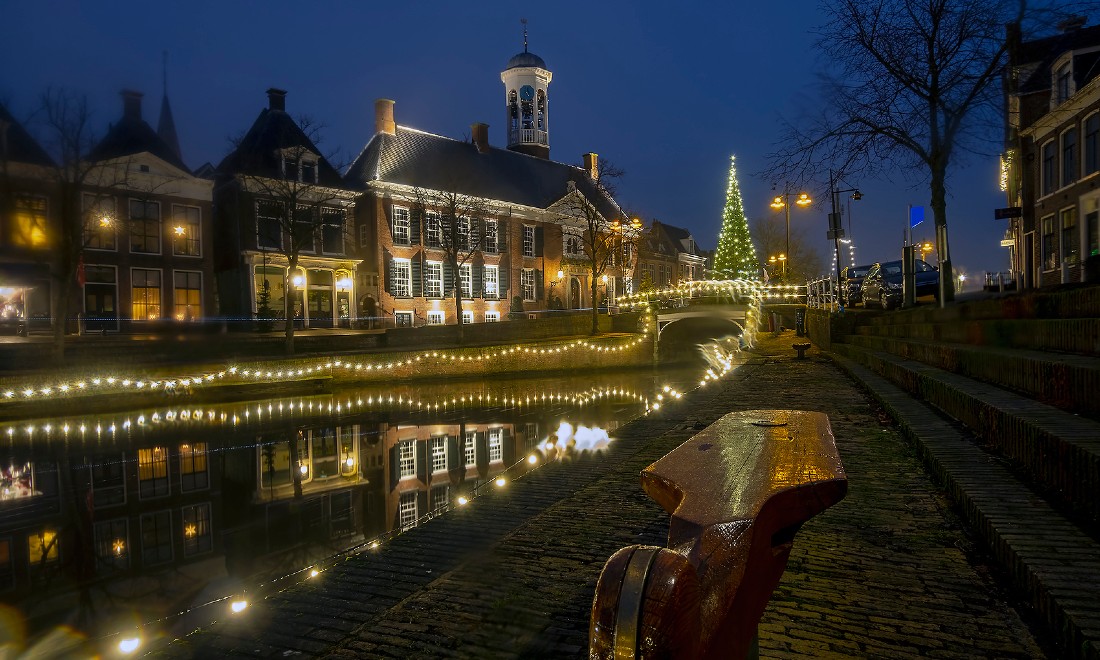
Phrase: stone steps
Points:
(1067, 335)
(1058, 450)
(1046, 556)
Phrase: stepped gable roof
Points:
(257, 154)
(1044, 51)
(133, 135)
(21, 147)
(423, 160)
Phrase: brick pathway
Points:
(888, 572)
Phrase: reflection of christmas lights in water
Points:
(568, 439)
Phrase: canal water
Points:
(109, 521)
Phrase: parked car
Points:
(851, 278)
(882, 285)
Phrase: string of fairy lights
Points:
(722, 361)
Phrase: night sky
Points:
(665, 94)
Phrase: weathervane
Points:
(524, 22)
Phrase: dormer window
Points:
(1063, 83)
(299, 167)
(309, 172)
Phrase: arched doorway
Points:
(574, 293)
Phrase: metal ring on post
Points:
(630, 601)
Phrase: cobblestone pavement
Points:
(889, 572)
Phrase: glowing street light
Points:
(784, 202)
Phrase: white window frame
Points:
(433, 230)
(175, 301)
(1084, 145)
(527, 283)
(439, 453)
(406, 459)
(407, 510)
(1045, 173)
(496, 445)
(490, 281)
(93, 224)
(402, 278)
(466, 280)
(437, 503)
(463, 235)
(1063, 175)
(571, 243)
(467, 317)
(159, 225)
(435, 317)
(433, 279)
(490, 243)
(159, 287)
(401, 226)
(196, 228)
(528, 240)
(469, 449)
(492, 317)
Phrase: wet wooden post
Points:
(737, 492)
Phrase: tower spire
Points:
(166, 126)
(524, 22)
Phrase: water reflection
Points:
(108, 521)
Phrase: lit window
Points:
(469, 449)
(467, 317)
(407, 510)
(465, 280)
(186, 231)
(433, 232)
(400, 227)
(491, 282)
(433, 279)
(407, 458)
(441, 497)
(100, 222)
(42, 547)
(145, 294)
(112, 546)
(197, 531)
(527, 280)
(439, 454)
(528, 241)
(492, 317)
(401, 279)
(462, 241)
(144, 226)
(29, 227)
(490, 236)
(436, 317)
(187, 295)
(193, 472)
(153, 472)
(496, 445)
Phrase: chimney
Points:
(383, 117)
(131, 104)
(592, 164)
(479, 133)
(276, 99)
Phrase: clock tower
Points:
(526, 104)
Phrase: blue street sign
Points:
(916, 216)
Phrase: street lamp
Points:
(606, 293)
(781, 259)
(784, 202)
(553, 283)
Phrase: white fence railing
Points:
(822, 294)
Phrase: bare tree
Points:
(803, 263)
(912, 83)
(299, 201)
(454, 223)
(588, 212)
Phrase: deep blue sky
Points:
(667, 94)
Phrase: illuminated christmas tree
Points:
(736, 256)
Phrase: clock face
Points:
(527, 92)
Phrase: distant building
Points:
(278, 197)
(524, 239)
(669, 255)
(1052, 159)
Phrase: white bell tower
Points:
(526, 102)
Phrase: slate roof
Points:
(675, 237)
(525, 59)
(257, 153)
(1044, 51)
(22, 148)
(133, 135)
(423, 160)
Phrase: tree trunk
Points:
(295, 458)
(939, 213)
(60, 314)
(461, 335)
(595, 306)
(288, 305)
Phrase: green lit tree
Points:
(735, 256)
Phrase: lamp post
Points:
(606, 293)
(554, 283)
(784, 202)
(782, 260)
(836, 229)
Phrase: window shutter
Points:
(506, 446)
(448, 280)
(538, 285)
(417, 268)
(395, 465)
(388, 275)
(475, 234)
(502, 236)
(502, 274)
(415, 217)
(477, 272)
(538, 241)
(422, 467)
(482, 451)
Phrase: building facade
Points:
(1051, 165)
